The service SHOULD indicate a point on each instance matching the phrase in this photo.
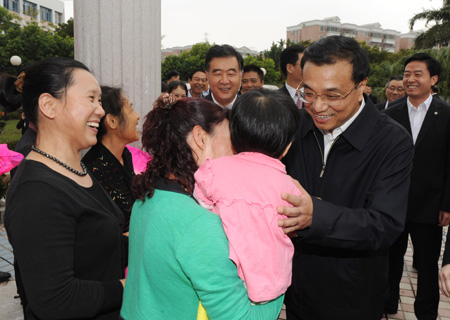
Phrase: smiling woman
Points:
(64, 228)
(109, 160)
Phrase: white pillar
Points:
(120, 41)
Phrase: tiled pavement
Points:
(10, 307)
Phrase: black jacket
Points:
(430, 177)
(340, 263)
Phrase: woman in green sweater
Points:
(178, 250)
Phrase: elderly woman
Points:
(109, 160)
(178, 250)
(64, 228)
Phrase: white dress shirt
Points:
(330, 137)
(417, 115)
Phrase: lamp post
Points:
(15, 61)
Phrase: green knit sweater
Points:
(178, 256)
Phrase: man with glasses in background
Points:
(394, 90)
(353, 164)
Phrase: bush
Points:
(10, 134)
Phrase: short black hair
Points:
(332, 49)
(191, 74)
(290, 56)
(433, 66)
(164, 87)
(397, 77)
(175, 84)
(112, 103)
(263, 121)
(223, 51)
(172, 73)
(254, 68)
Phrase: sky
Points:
(257, 23)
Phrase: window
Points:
(321, 28)
(58, 18)
(46, 14)
(12, 5)
(30, 9)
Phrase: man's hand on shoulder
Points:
(299, 216)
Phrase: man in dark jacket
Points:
(427, 119)
(354, 164)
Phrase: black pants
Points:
(426, 240)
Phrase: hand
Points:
(123, 282)
(127, 234)
(444, 280)
(444, 218)
(300, 214)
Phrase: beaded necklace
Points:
(82, 174)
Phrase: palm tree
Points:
(437, 35)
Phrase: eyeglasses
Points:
(330, 99)
(399, 89)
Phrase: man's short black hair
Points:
(332, 49)
(263, 121)
(191, 74)
(397, 77)
(172, 73)
(254, 68)
(434, 67)
(223, 51)
(290, 56)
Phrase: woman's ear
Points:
(111, 121)
(47, 105)
(199, 135)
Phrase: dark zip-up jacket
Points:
(340, 263)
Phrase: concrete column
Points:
(120, 41)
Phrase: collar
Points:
(360, 130)
(170, 185)
(426, 104)
(339, 130)
(228, 106)
(291, 90)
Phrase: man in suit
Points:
(428, 121)
(394, 90)
(354, 164)
(290, 66)
(368, 91)
(172, 75)
(223, 65)
(197, 80)
(252, 78)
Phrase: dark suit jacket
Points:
(430, 178)
(284, 90)
(340, 265)
(381, 106)
(208, 97)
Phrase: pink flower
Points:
(140, 159)
(8, 159)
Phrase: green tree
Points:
(66, 29)
(274, 52)
(272, 74)
(32, 43)
(186, 61)
(437, 35)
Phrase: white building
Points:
(42, 11)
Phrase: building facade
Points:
(41, 11)
(176, 51)
(372, 34)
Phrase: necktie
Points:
(299, 101)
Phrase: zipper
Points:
(321, 153)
